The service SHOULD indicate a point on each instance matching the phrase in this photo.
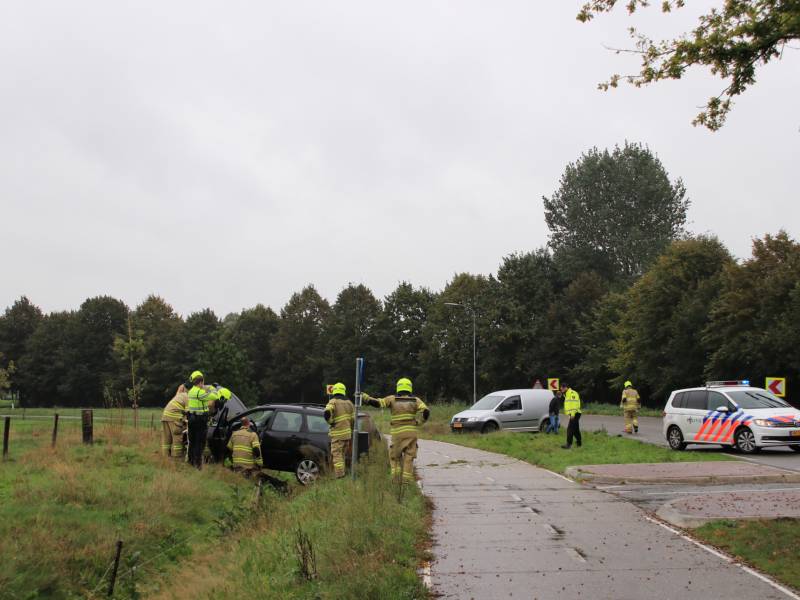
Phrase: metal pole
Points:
(6, 429)
(354, 443)
(474, 363)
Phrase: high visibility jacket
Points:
(630, 399)
(175, 409)
(405, 412)
(243, 445)
(340, 414)
(572, 402)
(199, 399)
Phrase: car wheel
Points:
(745, 441)
(675, 438)
(490, 427)
(307, 471)
(543, 426)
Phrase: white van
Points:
(509, 410)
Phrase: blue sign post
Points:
(354, 444)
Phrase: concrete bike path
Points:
(506, 529)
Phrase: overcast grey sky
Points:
(225, 154)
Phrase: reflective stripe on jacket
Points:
(342, 415)
(405, 410)
(630, 399)
(175, 408)
(572, 402)
(199, 399)
(241, 445)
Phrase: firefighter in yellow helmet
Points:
(245, 450)
(340, 414)
(197, 408)
(406, 411)
(173, 421)
(630, 408)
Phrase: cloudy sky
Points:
(224, 154)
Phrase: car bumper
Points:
(770, 437)
(466, 426)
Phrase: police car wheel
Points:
(307, 471)
(745, 441)
(675, 438)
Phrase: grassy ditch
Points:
(770, 546)
(598, 448)
(337, 540)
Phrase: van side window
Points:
(680, 400)
(696, 400)
(512, 403)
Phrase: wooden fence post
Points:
(55, 430)
(114, 571)
(6, 429)
(87, 419)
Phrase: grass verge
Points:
(598, 448)
(770, 546)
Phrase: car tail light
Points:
(663, 414)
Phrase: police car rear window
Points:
(696, 400)
(679, 401)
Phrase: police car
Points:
(730, 413)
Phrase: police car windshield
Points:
(756, 399)
(486, 403)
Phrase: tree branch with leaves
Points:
(733, 41)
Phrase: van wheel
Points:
(745, 441)
(543, 426)
(307, 471)
(490, 427)
(675, 438)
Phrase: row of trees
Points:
(620, 292)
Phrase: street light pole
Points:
(474, 350)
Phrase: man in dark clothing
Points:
(555, 406)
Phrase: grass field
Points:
(770, 546)
(62, 511)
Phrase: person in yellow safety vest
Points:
(245, 449)
(630, 407)
(572, 408)
(197, 408)
(172, 424)
(224, 395)
(340, 415)
(406, 411)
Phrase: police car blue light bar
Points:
(728, 382)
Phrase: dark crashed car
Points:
(294, 437)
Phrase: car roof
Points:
(313, 407)
(726, 388)
(517, 391)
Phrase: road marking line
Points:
(426, 576)
(575, 555)
(608, 487)
(550, 529)
(728, 559)
(468, 466)
(516, 498)
(491, 479)
(528, 508)
(703, 493)
(561, 476)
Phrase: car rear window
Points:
(316, 424)
(679, 401)
(287, 421)
(696, 399)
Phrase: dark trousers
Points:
(198, 430)
(574, 429)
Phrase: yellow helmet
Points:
(195, 375)
(628, 384)
(339, 389)
(225, 393)
(404, 385)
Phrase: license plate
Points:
(795, 433)
(459, 426)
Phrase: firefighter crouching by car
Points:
(340, 414)
(173, 421)
(245, 450)
(630, 408)
(405, 412)
(197, 408)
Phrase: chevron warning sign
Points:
(777, 385)
(552, 383)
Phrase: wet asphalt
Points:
(507, 529)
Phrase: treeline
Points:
(620, 292)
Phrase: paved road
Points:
(650, 431)
(506, 529)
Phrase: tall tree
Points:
(658, 342)
(614, 212)
(297, 369)
(753, 330)
(162, 366)
(201, 329)
(252, 331)
(16, 327)
(732, 41)
(48, 363)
